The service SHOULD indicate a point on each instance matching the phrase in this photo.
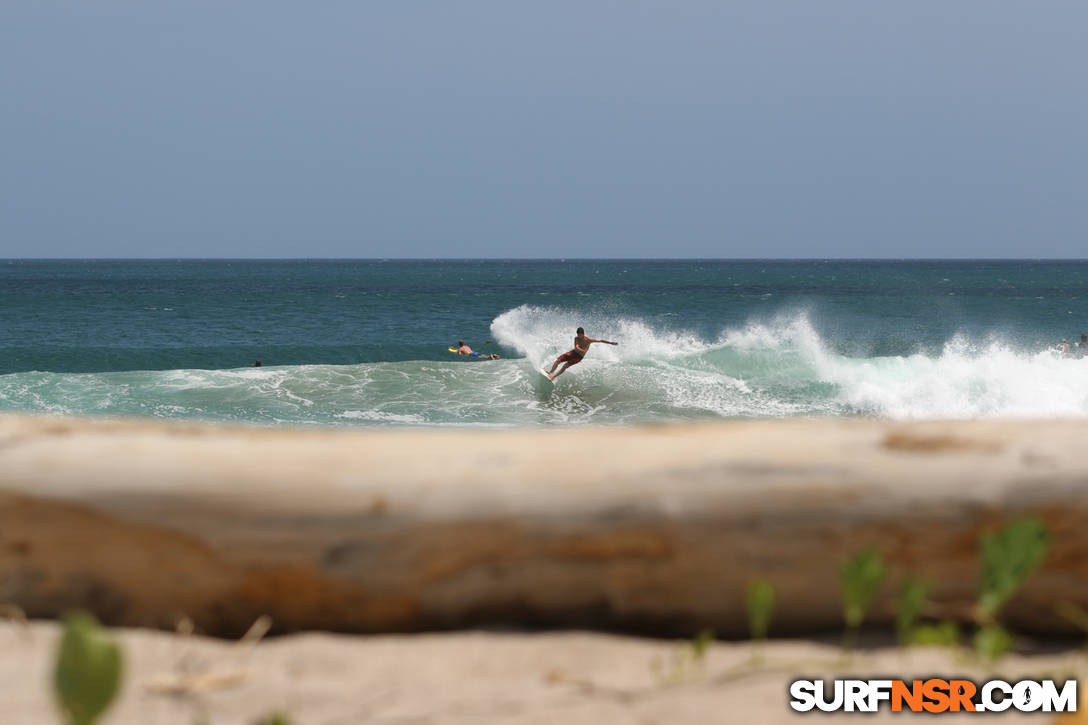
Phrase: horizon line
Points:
(543, 259)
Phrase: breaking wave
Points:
(659, 372)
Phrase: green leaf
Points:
(912, 600)
(943, 634)
(1008, 559)
(759, 599)
(276, 718)
(992, 642)
(702, 641)
(88, 670)
(861, 578)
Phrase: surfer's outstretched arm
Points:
(606, 342)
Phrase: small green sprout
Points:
(913, 596)
(861, 578)
(940, 634)
(88, 671)
(992, 642)
(759, 599)
(1008, 559)
(701, 644)
(912, 601)
(690, 653)
(275, 718)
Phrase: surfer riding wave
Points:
(574, 356)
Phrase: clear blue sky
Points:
(691, 128)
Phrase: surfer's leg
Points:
(561, 371)
(564, 358)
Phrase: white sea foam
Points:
(965, 381)
(542, 333)
(783, 367)
(379, 416)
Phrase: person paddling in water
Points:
(573, 357)
(463, 349)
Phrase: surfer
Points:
(573, 357)
(1082, 346)
(463, 349)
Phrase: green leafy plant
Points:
(913, 597)
(861, 578)
(88, 670)
(690, 653)
(992, 642)
(940, 634)
(759, 600)
(276, 718)
(1009, 556)
(701, 643)
(912, 601)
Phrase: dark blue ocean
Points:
(365, 342)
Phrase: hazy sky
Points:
(680, 128)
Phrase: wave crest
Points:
(660, 371)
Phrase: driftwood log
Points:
(655, 529)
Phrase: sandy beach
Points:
(477, 677)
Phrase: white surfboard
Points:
(546, 376)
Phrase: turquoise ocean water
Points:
(363, 343)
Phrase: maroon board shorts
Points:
(573, 357)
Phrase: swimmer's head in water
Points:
(460, 343)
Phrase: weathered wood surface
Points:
(654, 529)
